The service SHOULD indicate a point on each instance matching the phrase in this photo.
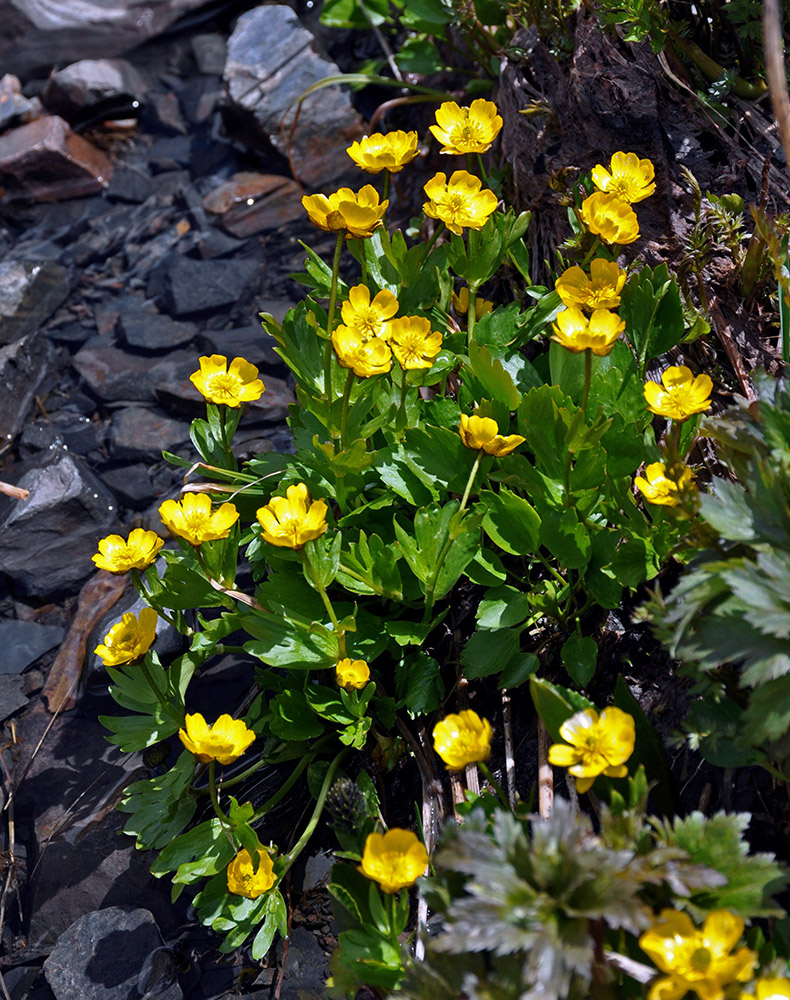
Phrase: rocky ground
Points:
(149, 209)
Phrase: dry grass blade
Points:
(775, 71)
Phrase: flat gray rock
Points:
(30, 291)
(23, 642)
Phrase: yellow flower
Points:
(482, 434)
(136, 552)
(598, 745)
(363, 357)
(243, 881)
(229, 386)
(462, 739)
(294, 519)
(378, 152)
(680, 395)
(366, 318)
(769, 988)
(226, 740)
(413, 343)
(355, 213)
(466, 130)
(191, 518)
(128, 639)
(628, 177)
(351, 674)
(395, 859)
(459, 203)
(578, 333)
(665, 486)
(600, 291)
(610, 217)
(697, 959)
(461, 303)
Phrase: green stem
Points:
(494, 784)
(470, 162)
(212, 790)
(587, 378)
(341, 635)
(138, 582)
(330, 318)
(436, 234)
(402, 403)
(283, 790)
(230, 458)
(344, 407)
(471, 479)
(471, 316)
(482, 169)
(592, 250)
(386, 192)
(297, 849)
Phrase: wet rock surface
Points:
(147, 217)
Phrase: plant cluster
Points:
(453, 510)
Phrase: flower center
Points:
(623, 187)
(223, 384)
(700, 959)
(368, 323)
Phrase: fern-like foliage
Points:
(728, 619)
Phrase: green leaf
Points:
(419, 54)
(501, 607)
(486, 652)
(519, 669)
(579, 657)
(496, 382)
(648, 750)
(440, 456)
(653, 313)
(292, 718)
(566, 538)
(279, 644)
(370, 566)
(160, 807)
(510, 521)
(324, 558)
(418, 683)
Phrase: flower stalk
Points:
(330, 317)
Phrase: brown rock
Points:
(241, 187)
(47, 161)
(271, 211)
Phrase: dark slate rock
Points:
(30, 292)
(100, 955)
(46, 541)
(210, 52)
(12, 696)
(252, 343)
(199, 97)
(305, 965)
(170, 152)
(152, 332)
(71, 333)
(15, 108)
(194, 286)
(23, 366)
(270, 64)
(137, 433)
(23, 642)
(89, 86)
(131, 484)
(163, 112)
(35, 36)
(114, 375)
(129, 183)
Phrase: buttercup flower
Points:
(610, 217)
(459, 203)
(129, 639)
(366, 318)
(357, 214)
(243, 881)
(294, 519)
(769, 988)
(413, 343)
(665, 486)
(395, 859)
(378, 152)
(462, 739)
(226, 740)
(228, 386)
(466, 130)
(352, 674)
(482, 434)
(598, 745)
(577, 332)
(680, 395)
(600, 291)
(138, 551)
(365, 357)
(191, 518)
(628, 177)
(461, 303)
(697, 959)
